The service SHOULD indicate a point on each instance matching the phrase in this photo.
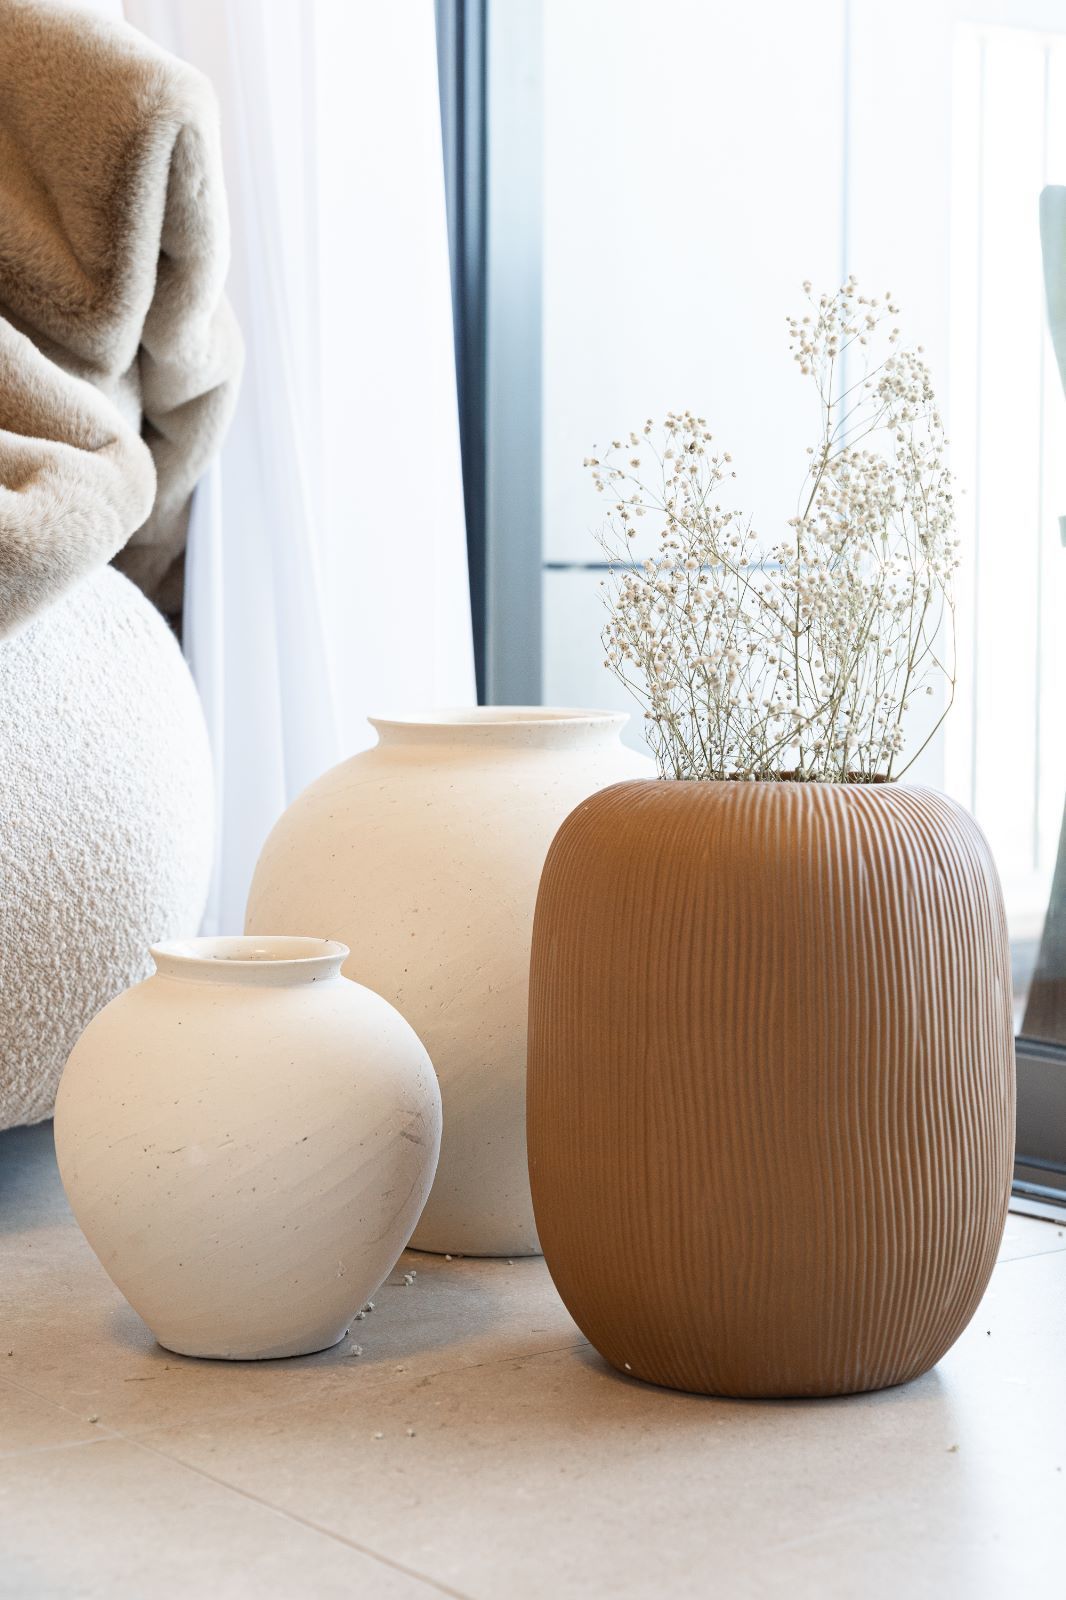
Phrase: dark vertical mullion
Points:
(461, 66)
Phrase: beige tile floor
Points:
(479, 1448)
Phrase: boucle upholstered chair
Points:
(119, 362)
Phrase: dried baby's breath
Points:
(797, 657)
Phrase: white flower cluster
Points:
(797, 658)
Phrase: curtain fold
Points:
(327, 557)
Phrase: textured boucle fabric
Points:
(119, 355)
(106, 820)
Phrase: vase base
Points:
(523, 1252)
(814, 1389)
(298, 1347)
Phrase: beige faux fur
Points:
(113, 251)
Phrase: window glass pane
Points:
(699, 163)
(1005, 755)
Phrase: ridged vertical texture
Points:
(771, 1081)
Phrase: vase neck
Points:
(506, 727)
(253, 963)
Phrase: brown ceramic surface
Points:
(771, 1081)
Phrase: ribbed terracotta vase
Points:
(771, 1081)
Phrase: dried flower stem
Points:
(797, 658)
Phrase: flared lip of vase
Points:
(555, 725)
(256, 961)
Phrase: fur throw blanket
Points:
(119, 356)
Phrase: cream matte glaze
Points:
(771, 1081)
(247, 1139)
(423, 854)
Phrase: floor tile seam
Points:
(135, 1431)
(1035, 1255)
(102, 1436)
(22, 1387)
(503, 1361)
(302, 1521)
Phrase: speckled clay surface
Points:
(106, 825)
(247, 1139)
(423, 855)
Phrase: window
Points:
(647, 229)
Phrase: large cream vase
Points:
(423, 855)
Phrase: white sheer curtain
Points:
(327, 561)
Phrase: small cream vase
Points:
(423, 854)
(247, 1139)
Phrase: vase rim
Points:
(255, 961)
(786, 781)
(782, 786)
(556, 726)
(497, 717)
